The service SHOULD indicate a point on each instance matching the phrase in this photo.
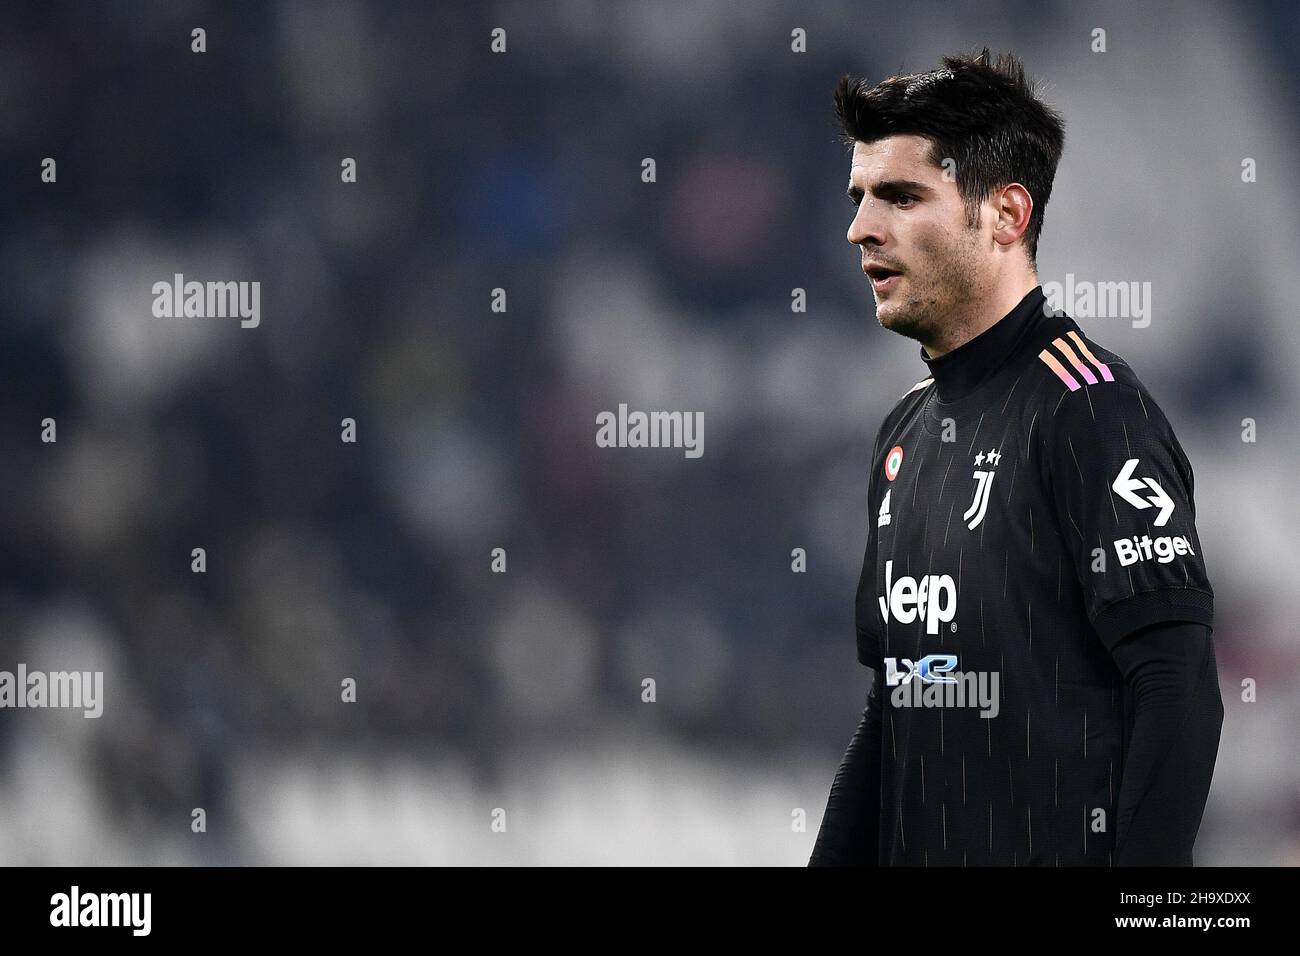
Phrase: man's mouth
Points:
(882, 278)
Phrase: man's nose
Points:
(867, 225)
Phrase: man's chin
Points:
(889, 313)
(897, 318)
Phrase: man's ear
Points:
(1014, 206)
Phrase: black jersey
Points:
(1029, 507)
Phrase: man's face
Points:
(921, 257)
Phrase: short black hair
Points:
(981, 112)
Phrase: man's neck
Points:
(977, 317)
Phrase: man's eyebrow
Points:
(888, 188)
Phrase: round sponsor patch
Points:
(893, 462)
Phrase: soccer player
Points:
(1034, 603)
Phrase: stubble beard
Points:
(924, 308)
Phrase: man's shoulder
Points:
(1076, 375)
(905, 405)
(1087, 393)
(924, 383)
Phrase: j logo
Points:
(983, 485)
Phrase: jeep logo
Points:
(933, 599)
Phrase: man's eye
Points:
(905, 200)
(855, 201)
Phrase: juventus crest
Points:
(983, 485)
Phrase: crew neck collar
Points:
(959, 372)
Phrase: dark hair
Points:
(982, 113)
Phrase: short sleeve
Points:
(1122, 492)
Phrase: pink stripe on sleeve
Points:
(1050, 361)
(1073, 359)
(1101, 366)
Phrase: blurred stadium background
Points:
(475, 429)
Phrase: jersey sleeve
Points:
(866, 619)
(849, 834)
(1122, 492)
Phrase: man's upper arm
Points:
(1122, 492)
(868, 637)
